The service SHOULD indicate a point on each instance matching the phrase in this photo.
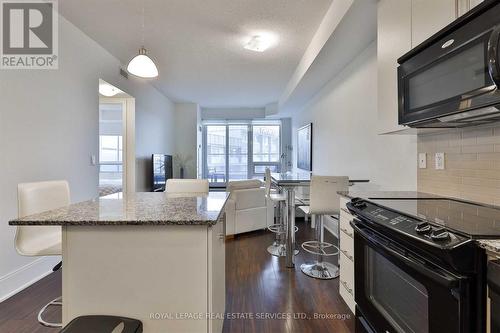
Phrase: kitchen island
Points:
(156, 257)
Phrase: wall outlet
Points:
(422, 160)
(439, 161)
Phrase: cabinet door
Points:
(430, 16)
(393, 40)
(217, 276)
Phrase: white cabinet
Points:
(394, 39)
(217, 276)
(346, 256)
(402, 25)
(430, 16)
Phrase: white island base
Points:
(168, 276)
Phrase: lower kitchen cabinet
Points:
(346, 256)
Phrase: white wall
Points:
(232, 113)
(49, 128)
(345, 140)
(186, 134)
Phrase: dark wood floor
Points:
(258, 285)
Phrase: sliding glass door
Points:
(240, 151)
(215, 149)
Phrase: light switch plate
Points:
(422, 160)
(93, 160)
(439, 161)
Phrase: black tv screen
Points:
(162, 171)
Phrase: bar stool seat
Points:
(35, 198)
(103, 324)
(324, 200)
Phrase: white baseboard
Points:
(25, 276)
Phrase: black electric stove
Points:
(418, 268)
(472, 220)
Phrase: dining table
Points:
(288, 182)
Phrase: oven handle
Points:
(493, 61)
(443, 279)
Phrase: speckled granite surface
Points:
(490, 245)
(386, 194)
(142, 208)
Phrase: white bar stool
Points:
(33, 198)
(324, 200)
(278, 248)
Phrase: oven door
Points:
(397, 291)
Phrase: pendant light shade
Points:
(142, 65)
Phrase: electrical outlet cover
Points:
(422, 160)
(439, 161)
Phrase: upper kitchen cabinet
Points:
(393, 40)
(402, 25)
(430, 16)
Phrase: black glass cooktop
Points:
(470, 219)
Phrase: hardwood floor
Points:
(258, 285)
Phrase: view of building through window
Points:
(240, 151)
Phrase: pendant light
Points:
(142, 65)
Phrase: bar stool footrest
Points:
(320, 248)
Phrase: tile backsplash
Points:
(472, 163)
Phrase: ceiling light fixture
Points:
(260, 43)
(108, 90)
(142, 65)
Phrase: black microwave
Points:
(453, 78)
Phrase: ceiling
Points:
(198, 44)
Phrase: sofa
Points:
(247, 208)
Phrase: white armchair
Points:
(247, 208)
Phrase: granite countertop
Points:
(490, 245)
(141, 208)
(387, 194)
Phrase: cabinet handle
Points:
(345, 231)
(349, 290)
(351, 258)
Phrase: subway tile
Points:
(478, 149)
(489, 156)
(461, 157)
(484, 182)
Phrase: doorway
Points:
(116, 160)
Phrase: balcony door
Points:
(240, 151)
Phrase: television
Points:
(162, 171)
(304, 148)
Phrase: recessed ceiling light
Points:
(260, 43)
(108, 90)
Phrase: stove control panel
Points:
(407, 225)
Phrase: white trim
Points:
(23, 277)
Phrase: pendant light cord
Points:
(143, 24)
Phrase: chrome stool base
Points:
(56, 302)
(320, 270)
(279, 250)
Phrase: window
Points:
(266, 148)
(110, 159)
(240, 151)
